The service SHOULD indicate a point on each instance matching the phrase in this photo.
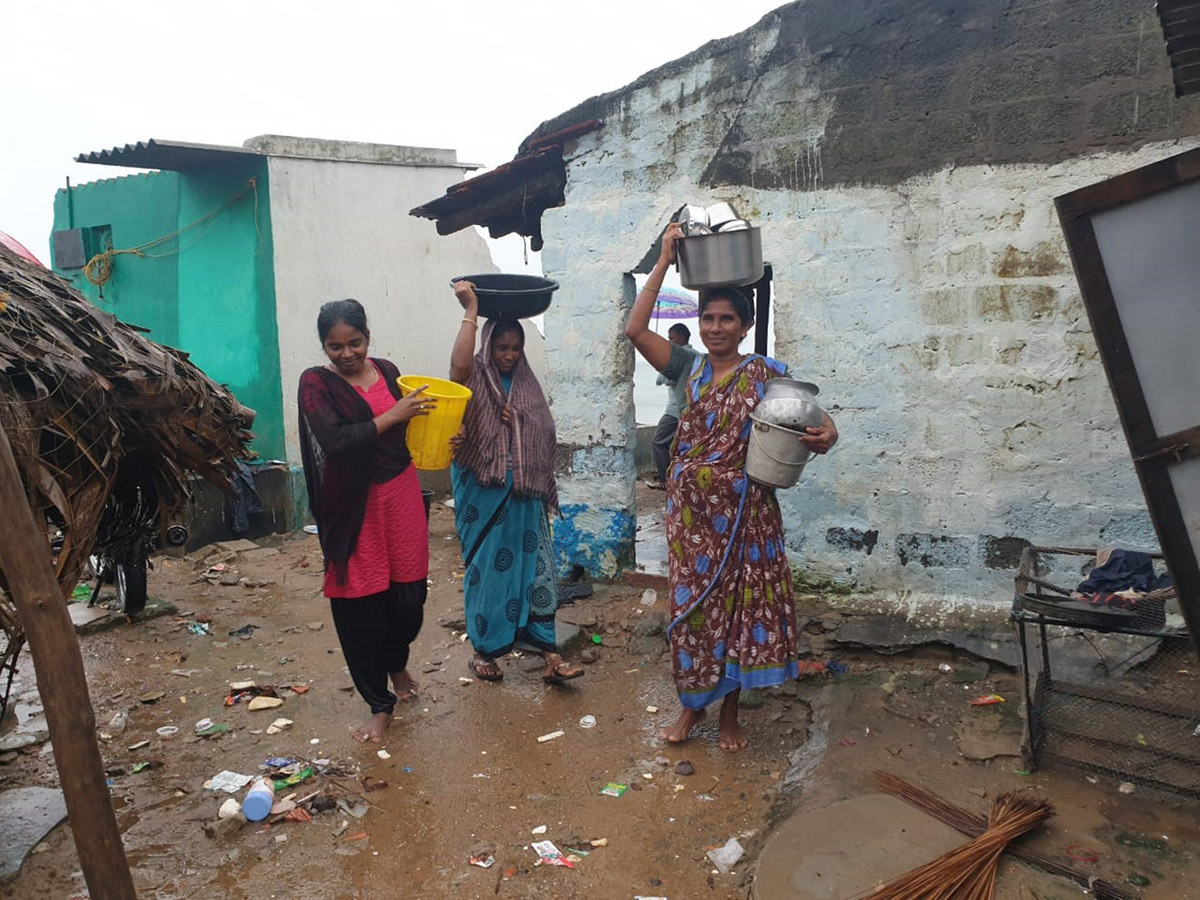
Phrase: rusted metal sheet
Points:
(511, 198)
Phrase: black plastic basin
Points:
(514, 296)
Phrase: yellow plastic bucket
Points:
(429, 435)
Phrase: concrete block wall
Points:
(902, 159)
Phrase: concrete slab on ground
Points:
(846, 849)
(83, 615)
(26, 815)
(89, 620)
(889, 634)
(823, 854)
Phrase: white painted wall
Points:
(342, 229)
(941, 319)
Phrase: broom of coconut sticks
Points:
(969, 872)
(973, 826)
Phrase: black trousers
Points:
(663, 436)
(375, 633)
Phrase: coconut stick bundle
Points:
(968, 823)
(969, 872)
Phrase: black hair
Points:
(504, 325)
(350, 312)
(737, 297)
(680, 328)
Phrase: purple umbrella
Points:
(675, 303)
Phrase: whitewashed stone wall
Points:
(942, 320)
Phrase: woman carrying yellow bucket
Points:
(504, 488)
(366, 500)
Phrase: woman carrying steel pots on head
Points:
(504, 490)
(366, 500)
(733, 619)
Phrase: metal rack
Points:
(1110, 692)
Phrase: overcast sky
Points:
(473, 75)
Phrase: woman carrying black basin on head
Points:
(504, 491)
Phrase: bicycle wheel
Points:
(131, 584)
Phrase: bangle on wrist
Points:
(471, 321)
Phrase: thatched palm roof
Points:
(80, 392)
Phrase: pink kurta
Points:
(393, 544)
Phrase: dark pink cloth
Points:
(393, 544)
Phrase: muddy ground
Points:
(466, 775)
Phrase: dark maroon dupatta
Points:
(343, 456)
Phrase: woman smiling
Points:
(364, 495)
(733, 619)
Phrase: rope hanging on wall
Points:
(98, 269)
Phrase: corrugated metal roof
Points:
(176, 156)
(1181, 27)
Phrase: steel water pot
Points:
(790, 404)
(776, 456)
(723, 259)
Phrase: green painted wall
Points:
(211, 290)
(227, 292)
(139, 208)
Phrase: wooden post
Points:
(58, 664)
(762, 315)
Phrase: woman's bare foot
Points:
(404, 686)
(371, 731)
(682, 729)
(732, 736)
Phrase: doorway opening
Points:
(676, 304)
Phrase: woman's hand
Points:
(820, 438)
(409, 407)
(655, 348)
(458, 440)
(465, 292)
(506, 414)
(667, 255)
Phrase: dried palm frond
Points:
(81, 391)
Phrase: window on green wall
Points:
(73, 247)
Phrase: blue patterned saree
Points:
(509, 588)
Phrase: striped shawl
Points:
(530, 435)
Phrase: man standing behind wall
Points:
(664, 435)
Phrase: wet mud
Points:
(465, 774)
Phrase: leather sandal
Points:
(477, 667)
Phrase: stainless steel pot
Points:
(724, 259)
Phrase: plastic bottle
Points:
(259, 800)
